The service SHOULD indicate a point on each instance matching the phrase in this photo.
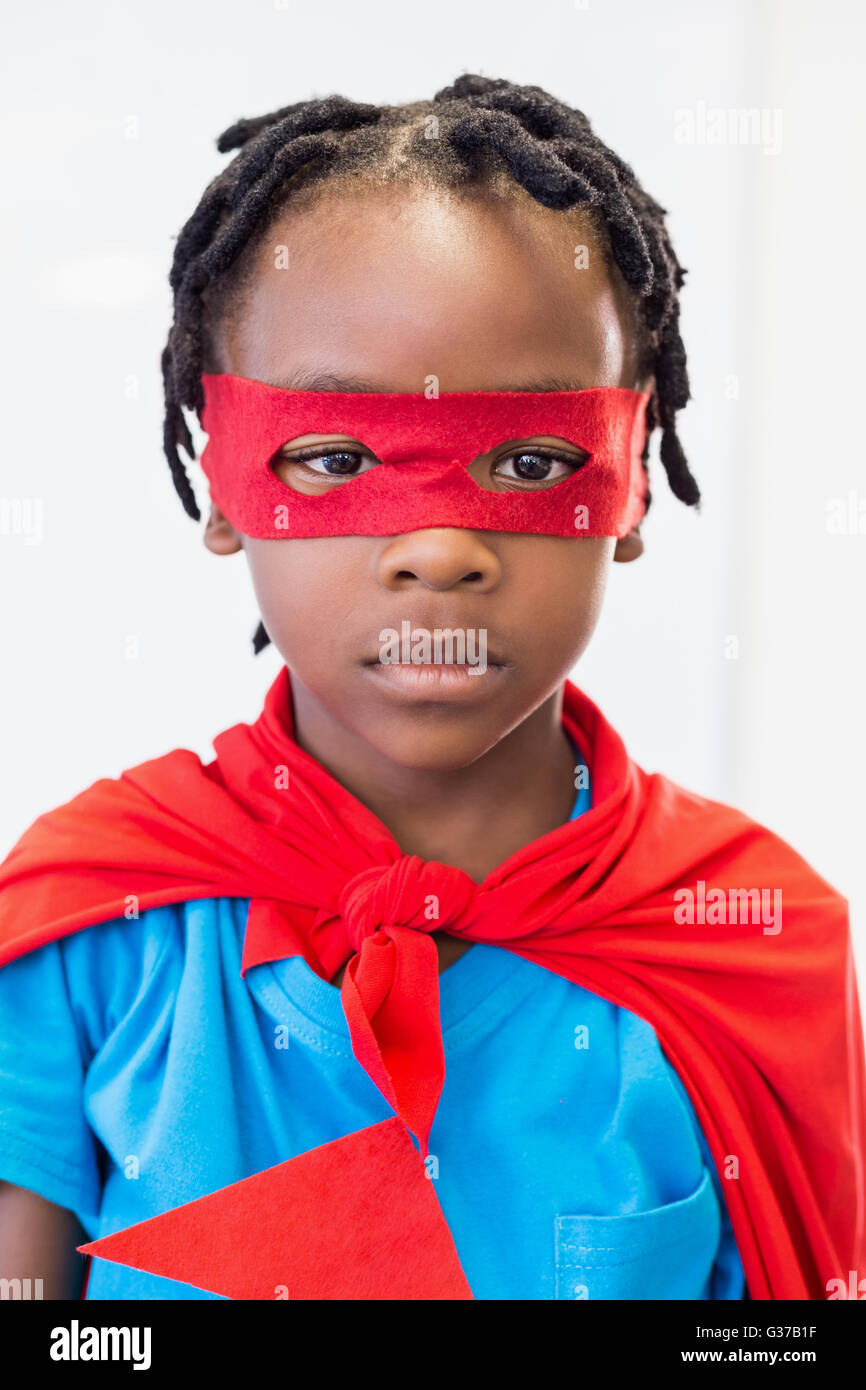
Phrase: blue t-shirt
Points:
(139, 1071)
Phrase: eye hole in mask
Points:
(516, 466)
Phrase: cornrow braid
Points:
(488, 129)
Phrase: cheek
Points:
(590, 570)
(580, 596)
(557, 595)
(301, 588)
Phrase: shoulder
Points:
(734, 841)
(104, 972)
(145, 834)
(719, 866)
(138, 945)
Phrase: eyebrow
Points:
(329, 381)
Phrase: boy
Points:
(427, 364)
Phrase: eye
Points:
(537, 466)
(320, 466)
(338, 463)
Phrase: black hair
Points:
(486, 131)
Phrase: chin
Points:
(435, 743)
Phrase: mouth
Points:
(437, 680)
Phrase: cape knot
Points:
(411, 892)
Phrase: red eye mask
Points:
(424, 447)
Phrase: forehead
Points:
(397, 284)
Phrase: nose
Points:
(441, 557)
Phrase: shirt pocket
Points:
(666, 1252)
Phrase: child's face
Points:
(391, 287)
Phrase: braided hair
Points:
(486, 131)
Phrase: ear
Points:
(220, 536)
(629, 547)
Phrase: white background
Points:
(110, 113)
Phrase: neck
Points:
(472, 817)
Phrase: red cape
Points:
(763, 1026)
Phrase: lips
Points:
(489, 660)
(436, 683)
(492, 656)
(418, 662)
